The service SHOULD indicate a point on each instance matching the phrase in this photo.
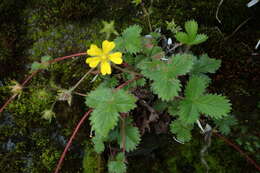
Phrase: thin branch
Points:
(127, 82)
(77, 84)
(35, 72)
(71, 139)
(148, 16)
(220, 3)
(249, 159)
(125, 70)
(123, 116)
(239, 26)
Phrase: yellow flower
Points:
(103, 57)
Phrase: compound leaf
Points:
(205, 65)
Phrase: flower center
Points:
(104, 57)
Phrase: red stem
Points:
(249, 159)
(71, 139)
(35, 72)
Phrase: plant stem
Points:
(250, 160)
(71, 139)
(77, 84)
(123, 116)
(127, 71)
(148, 17)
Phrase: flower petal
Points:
(94, 50)
(93, 62)
(107, 46)
(116, 57)
(105, 68)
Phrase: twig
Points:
(239, 26)
(77, 84)
(70, 140)
(123, 116)
(220, 3)
(35, 72)
(127, 82)
(148, 17)
(249, 159)
(125, 70)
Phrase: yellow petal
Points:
(94, 50)
(107, 46)
(105, 68)
(116, 57)
(93, 62)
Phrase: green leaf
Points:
(195, 87)
(224, 124)
(131, 39)
(108, 28)
(107, 104)
(36, 66)
(182, 37)
(173, 108)
(195, 102)
(181, 64)
(205, 65)
(103, 119)
(191, 28)
(188, 111)
(166, 89)
(182, 130)
(164, 75)
(118, 165)
(215, 106)
(200, 38)
(99, 146)
(46, 58)
(132, 136)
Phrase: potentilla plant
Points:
(159, 76)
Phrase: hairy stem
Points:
(127, 71)
(83, 77)
(71, 139)
(249, 159)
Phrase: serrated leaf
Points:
(182, 130)
(173, 108)
(103, 119)
(224, 124)
(99, 146)
(195, 102)
(195, 87)
(205, 65)
(117, 166)
(181, 64)
(182, 37)
(160, 105)
(166, 89)
(191, 28)
(131, 39)
(200, 38)
(132, 136)
(188, 112)
(108, 104)
(215, 106)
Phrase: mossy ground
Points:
(33, 28)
